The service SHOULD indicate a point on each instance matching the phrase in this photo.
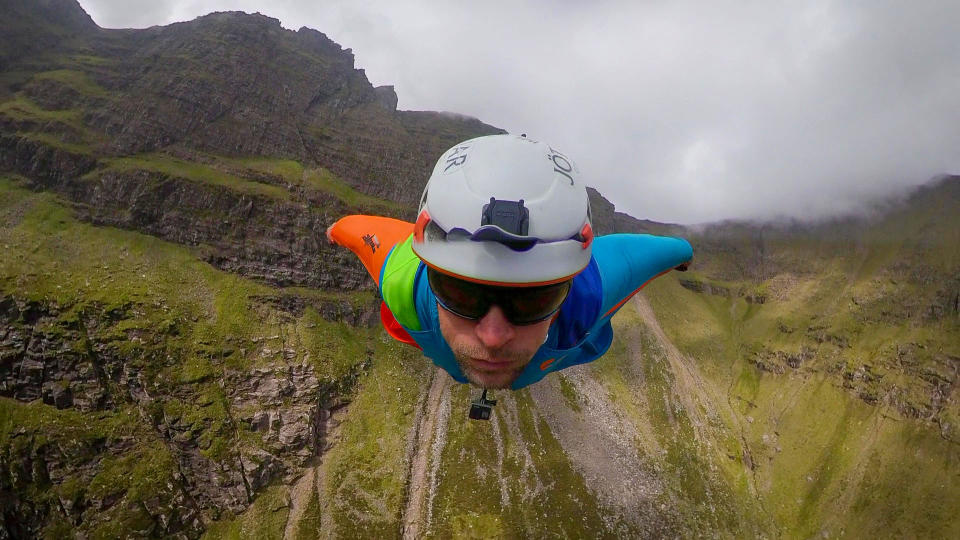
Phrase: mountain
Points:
(273, 131)
(183, 355)
(39, 26)
(833, 349)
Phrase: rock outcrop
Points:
(78, 360)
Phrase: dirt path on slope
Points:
(313, 477)
(697, 397)
(300, 495)
(429, 440)
(690, 384)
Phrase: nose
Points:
(494, 330)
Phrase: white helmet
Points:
(504, 210)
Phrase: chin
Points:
(491, 381)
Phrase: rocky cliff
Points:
(41, 26)
(219, 87)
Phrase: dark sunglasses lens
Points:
(533, 304)
(521, 305)
(458, 296)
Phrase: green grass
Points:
(206, 314)
(55, 141)
(76, 80)
(833, 441)
(510, 477)
(569, 394)
(288, 169)
(46, 424)
(263, 520)
(90, 60)
(311, 521)
(190, 171)
(740, 451)
(58, 128)
(138, 474)
(21, 108)
(366, 472)
(643, 384)
(292, 172)
(324, 180)
(144, 469)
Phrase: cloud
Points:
(124, 14)
(676, 111)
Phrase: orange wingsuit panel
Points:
(370, 238)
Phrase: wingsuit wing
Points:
(371, 238)
(629, 261)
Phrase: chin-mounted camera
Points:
(482, 408)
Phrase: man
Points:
(500, 281)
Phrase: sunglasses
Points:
(521, 305)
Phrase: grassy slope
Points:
(835, 443)
(823, 458)
(264, 519)
(52, 258)
(683, 433)
(66, 129)
(511, 478)
(182, 323)
(366, 472)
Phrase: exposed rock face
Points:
(386, 97)
(239, 84)
(227, 84)
(40, 25)
(37, 362)
(602, 212)
(275, 241)
(47, 164)
(278, 242)
(121, 401)
(79, 364)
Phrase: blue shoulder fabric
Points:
(580, 309)
(629, 261)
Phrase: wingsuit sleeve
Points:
(628, 262)
(371, 239)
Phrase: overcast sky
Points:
(676, 111)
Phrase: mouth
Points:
(491, 365)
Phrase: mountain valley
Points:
(182, 353)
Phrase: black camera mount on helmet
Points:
(482, 408)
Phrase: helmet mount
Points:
(510, 216)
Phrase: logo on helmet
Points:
(456, 158)
(561, 164)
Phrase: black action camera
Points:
(482, 408)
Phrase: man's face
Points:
(491, 351)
